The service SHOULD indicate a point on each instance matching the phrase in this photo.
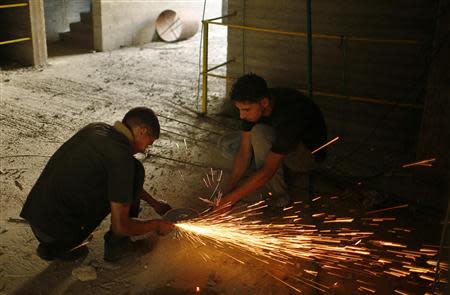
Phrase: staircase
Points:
(81, 33)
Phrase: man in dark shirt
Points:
(91, 175)
(280, 127)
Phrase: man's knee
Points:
(262, 134)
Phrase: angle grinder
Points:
(180, 214)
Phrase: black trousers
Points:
(62, 245)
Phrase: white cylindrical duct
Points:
(174, 26)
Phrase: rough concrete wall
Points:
(372, 135)
(434, 138)
(126, 23)
(59, 14)
(23, 22)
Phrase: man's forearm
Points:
(256, 181)
(134, 227)
(144, 195)
(240, 165)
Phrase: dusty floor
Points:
(41, 108)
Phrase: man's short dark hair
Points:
(249, 88)
(142, 116)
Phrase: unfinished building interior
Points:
(376, 214)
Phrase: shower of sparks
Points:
(425, 163)
(388, 209)
(325, 145)
(213, 180)
(337, 251)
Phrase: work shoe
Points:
(48, 252)
(118, 247)
(282, 201)
(279, 201)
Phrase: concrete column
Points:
(97, 24)
(39, 41)
(435, 130)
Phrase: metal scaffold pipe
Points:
(5, 6)
(205, 68)
(15, 41)
(309, 43)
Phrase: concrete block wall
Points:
(434, 140)
(387, 71)
(59, 14)
(22, 22)
(126, 23)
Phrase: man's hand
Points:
(222, 207)
(161, 207)
(164, 227)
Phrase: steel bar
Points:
(205, 69)
(317, 36)
(221, 77)
(309, 46)
(218, 66)
(221, 17)
(15, 41)
(199, 165)
(345, 97)
(5, 6)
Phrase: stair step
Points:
(78, 39)
(82, 40)
(81, 27)
(86, 17)
(65, 36)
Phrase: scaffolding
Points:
(17, 40)
(206, 72)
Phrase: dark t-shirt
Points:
(74, 191)
(295, 118)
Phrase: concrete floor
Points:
(43, 107)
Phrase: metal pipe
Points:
(15, 41)
(309, 46)
(218, 66)
(205, 69)
(221, 17)
(344, 97)
(317, 36)
(367, 99)
(222, 77)
(13, 5)
(248, 28)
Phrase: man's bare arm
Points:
(272, 163)
(123, 225)
(159, 206)
(241, 162)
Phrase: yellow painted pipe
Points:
(205, 69)
(14, 41)
(346, 97)
(221, 77)
(221, 17)
(221, 65)
(367, 99)
(13, 5)
(318, 36)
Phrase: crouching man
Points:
(279, 130)
(91, 175)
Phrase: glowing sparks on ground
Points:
(425, 163)
(325, 145)
(305, 252)
(337, 252)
